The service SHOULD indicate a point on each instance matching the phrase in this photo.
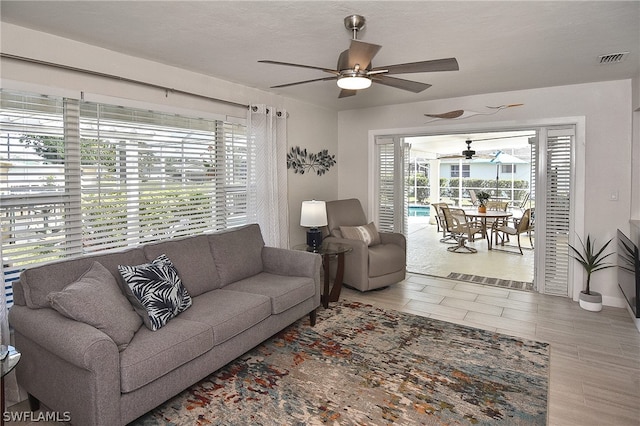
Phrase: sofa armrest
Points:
(393, 238)
(78, 343)
(291, 262)
(68, 365)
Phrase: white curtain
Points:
(268, 195)
(5, 338)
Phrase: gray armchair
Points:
(367, 267)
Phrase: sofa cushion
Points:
(228, 313)
(39, 281)
(96, 299)
(192, 258)
(237, 253)
(367, 233)
(284, 291)
(385, 259)
(156, 291)
(152, 354)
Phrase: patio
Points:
(427, 255)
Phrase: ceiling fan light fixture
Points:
(354, 82)
(468, 153)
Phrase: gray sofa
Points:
(241, 293)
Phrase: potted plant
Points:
(592, 259)
(483, 197)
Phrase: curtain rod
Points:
(115, 77)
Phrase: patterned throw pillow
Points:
(157, 289)
(367, 233)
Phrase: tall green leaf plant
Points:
(591, 258)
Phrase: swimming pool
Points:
(419, 210)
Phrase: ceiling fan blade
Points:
(303, 82)
(361, 53)
(345, 93)
(300, 66)
(459, 156)
(399, 83)
(448, 64)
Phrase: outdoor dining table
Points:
(490, 214)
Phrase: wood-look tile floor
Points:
(594, 356)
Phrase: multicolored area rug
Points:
(362, 365)
(497, 282)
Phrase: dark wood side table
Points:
(328, 251)
(7, 365)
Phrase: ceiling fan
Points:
(469, 154)
(355, 71)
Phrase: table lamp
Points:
(312, 215)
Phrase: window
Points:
(455, 171)
(79, 177)
(507, 168)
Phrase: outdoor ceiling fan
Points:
(469, 154)
(355, 71)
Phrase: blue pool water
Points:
(417, 210)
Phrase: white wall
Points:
(606, 108)
(309, 126)
(635, 159)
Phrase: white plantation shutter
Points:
(385, 187)
(553, 208)
(533, 142)
(109, 177)
(392, 201)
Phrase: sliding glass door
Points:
(551, 193)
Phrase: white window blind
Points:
(33, 200)
(80, 177)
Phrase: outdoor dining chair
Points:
(521, 226)
(441, 222)
(474, 197)
(460, 228)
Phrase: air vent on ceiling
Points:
(613, 58)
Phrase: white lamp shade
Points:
(313, 214)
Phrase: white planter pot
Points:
(591, 302)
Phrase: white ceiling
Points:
(500, 46)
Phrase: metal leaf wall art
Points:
(303, 162)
